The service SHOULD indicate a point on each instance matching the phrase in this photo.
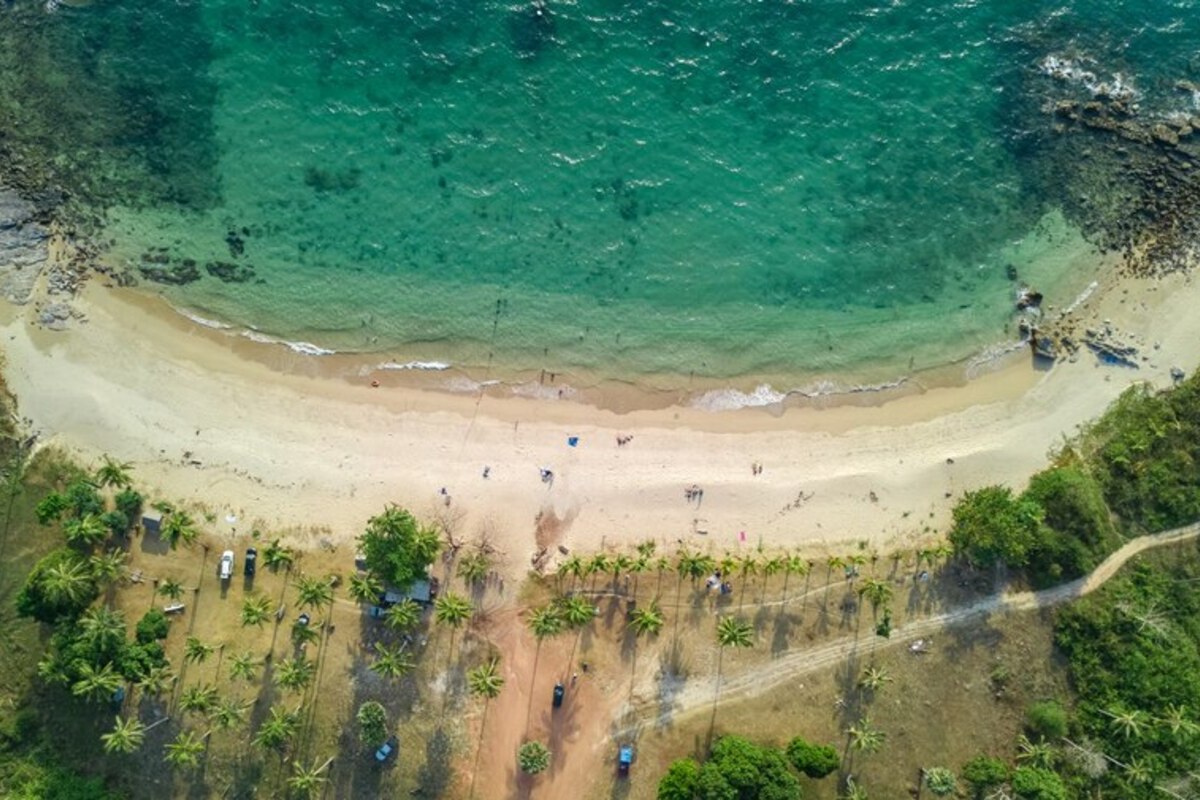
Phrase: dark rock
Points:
(24, 247)
(229, 273)
(173, 275)
(1011, 271)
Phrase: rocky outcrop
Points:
(24, 247)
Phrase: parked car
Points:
(624, 759)
(251, 562)
(387, 749)
(559, 692)
(225, 566)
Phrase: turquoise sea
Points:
(840, 189)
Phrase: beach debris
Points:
(920, 646)
(1177, 374)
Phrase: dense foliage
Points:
(814, 760)
(60, 586)
(397, 548)
(736, 769)
(991, 526)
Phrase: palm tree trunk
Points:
(479, 747)
(537, 654)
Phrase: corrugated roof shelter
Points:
(151, 522)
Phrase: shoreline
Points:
(306, 444)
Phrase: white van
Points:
(225, 567)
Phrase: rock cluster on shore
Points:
(24, 247)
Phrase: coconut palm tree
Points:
(67, 582)
(854, 791)
(1127, 723)
(278, 557)
(365, 588)
(199, 698)
(228, 713)
(597, 564)
(543, 622)
(96, 684)
(731, 632)
(295, 674)
(637, 567)
(864, 737)
(108, 567)
(1037, 754)
(474, 568)
(101, 629)
(792, 565)
(313, 592)
(391, 662)
(86, 531)
(1175, 719)
(196, 650)
(243, 666)
(619, 565)
(256, 610)
(483, 681)
(575, 611)
(113, 473)
(185, 750)
(304, 634)
(452, 609)
(874, 678)
(404, 615)
(126, 736)
(277, 730)
(177, 528)
(647, 620)
(769, 568)
(573, 567)
(306, 780)
(156, 680)
(170, 588)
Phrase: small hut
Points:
(151, 522)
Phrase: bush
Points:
(83, 499)
(129, 503)
(940, 781)
(984, 772)
(1048, 719)
(1035, 783)
(533, 757)
(990, 526)
(814, 760)
(372, 723)
(1077, 532)
(51, 508)
(739, 768)
(681, 781)
(153, 626)
(116, 522)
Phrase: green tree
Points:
(200, 698)
(814, 760)
(474, 568)
(96, 683)
(51, 508)
(1037, 783)
(533, 757)
(102, 630)
(306, 780)
(256, 610)
(178, 528)
(113, 473)
(313, 592)
(196, 650)
(681, 782)
(576, 611)
(277, 730)
(874, 678)
(278, 557)
(391, 662)
(156, 680)
(733, 632)
(403, 615)
(545, 622)
(185, 750)
(940, 781)
(452, 609)
(647, 619)
(129, 504)
(126, 736)
(738, 768)
(990, 526)
(864, 737)
(876, 592)
(86, 531)
(152, 627)
(485, 680)
(397, 548)
(243, 666)
(365, 588)
(228, 713)
(372, 723)
(59, 586)
(295, 674)
(107, 568)
(1047, 719)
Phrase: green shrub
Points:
(1048, 719)
(1035, 783)
(991, 525)
(397, 548)
(51, 508)
(153, 625)
(681, 781)
(59, 586)
(116, 522)
(83, 499)
(129, 503)
(814, 760)
(533, 757)
(941, 781)
(984, 772)
(372, 723)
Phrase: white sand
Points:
(292, 448)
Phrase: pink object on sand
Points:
(742, 536)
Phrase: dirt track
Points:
(699, 696)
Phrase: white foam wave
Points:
(419, 365)
(1119, 87)
(732, 399)
(208, 323)
(1082, 298)
(304, 348)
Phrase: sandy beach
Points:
(262, 433)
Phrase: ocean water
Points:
(724, 188)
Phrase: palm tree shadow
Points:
(433, 778)
(781, 637)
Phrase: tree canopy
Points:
(991, 525)
(397, 548)
(736, 769)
